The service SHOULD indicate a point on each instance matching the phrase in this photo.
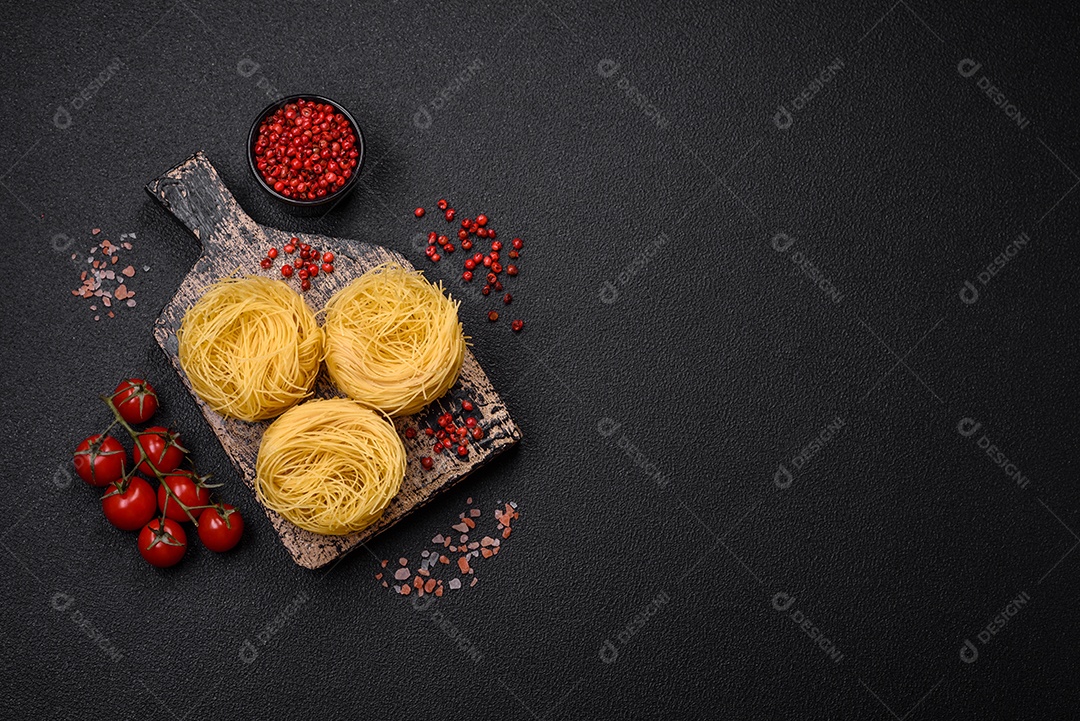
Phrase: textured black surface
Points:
(899, 180)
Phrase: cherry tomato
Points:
(135, 399)
(100, 460)
(220, 527)
(158, 448)
(188, 491)
(162, 546)
(131, 507)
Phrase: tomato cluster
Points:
(130, 502)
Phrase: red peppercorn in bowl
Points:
(306, 150)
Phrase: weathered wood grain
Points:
(234, 243)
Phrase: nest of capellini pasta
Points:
(330, 466)
(250, 347)
(393, 340)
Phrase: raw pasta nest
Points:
(393, 340)
(330, 466)
(250, 347)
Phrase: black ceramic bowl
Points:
(330, 198)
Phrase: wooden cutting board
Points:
(234, 243)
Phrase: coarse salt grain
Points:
(426, 578)
(101, 271)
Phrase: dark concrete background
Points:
(899, 180)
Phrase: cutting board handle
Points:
(195, 194)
